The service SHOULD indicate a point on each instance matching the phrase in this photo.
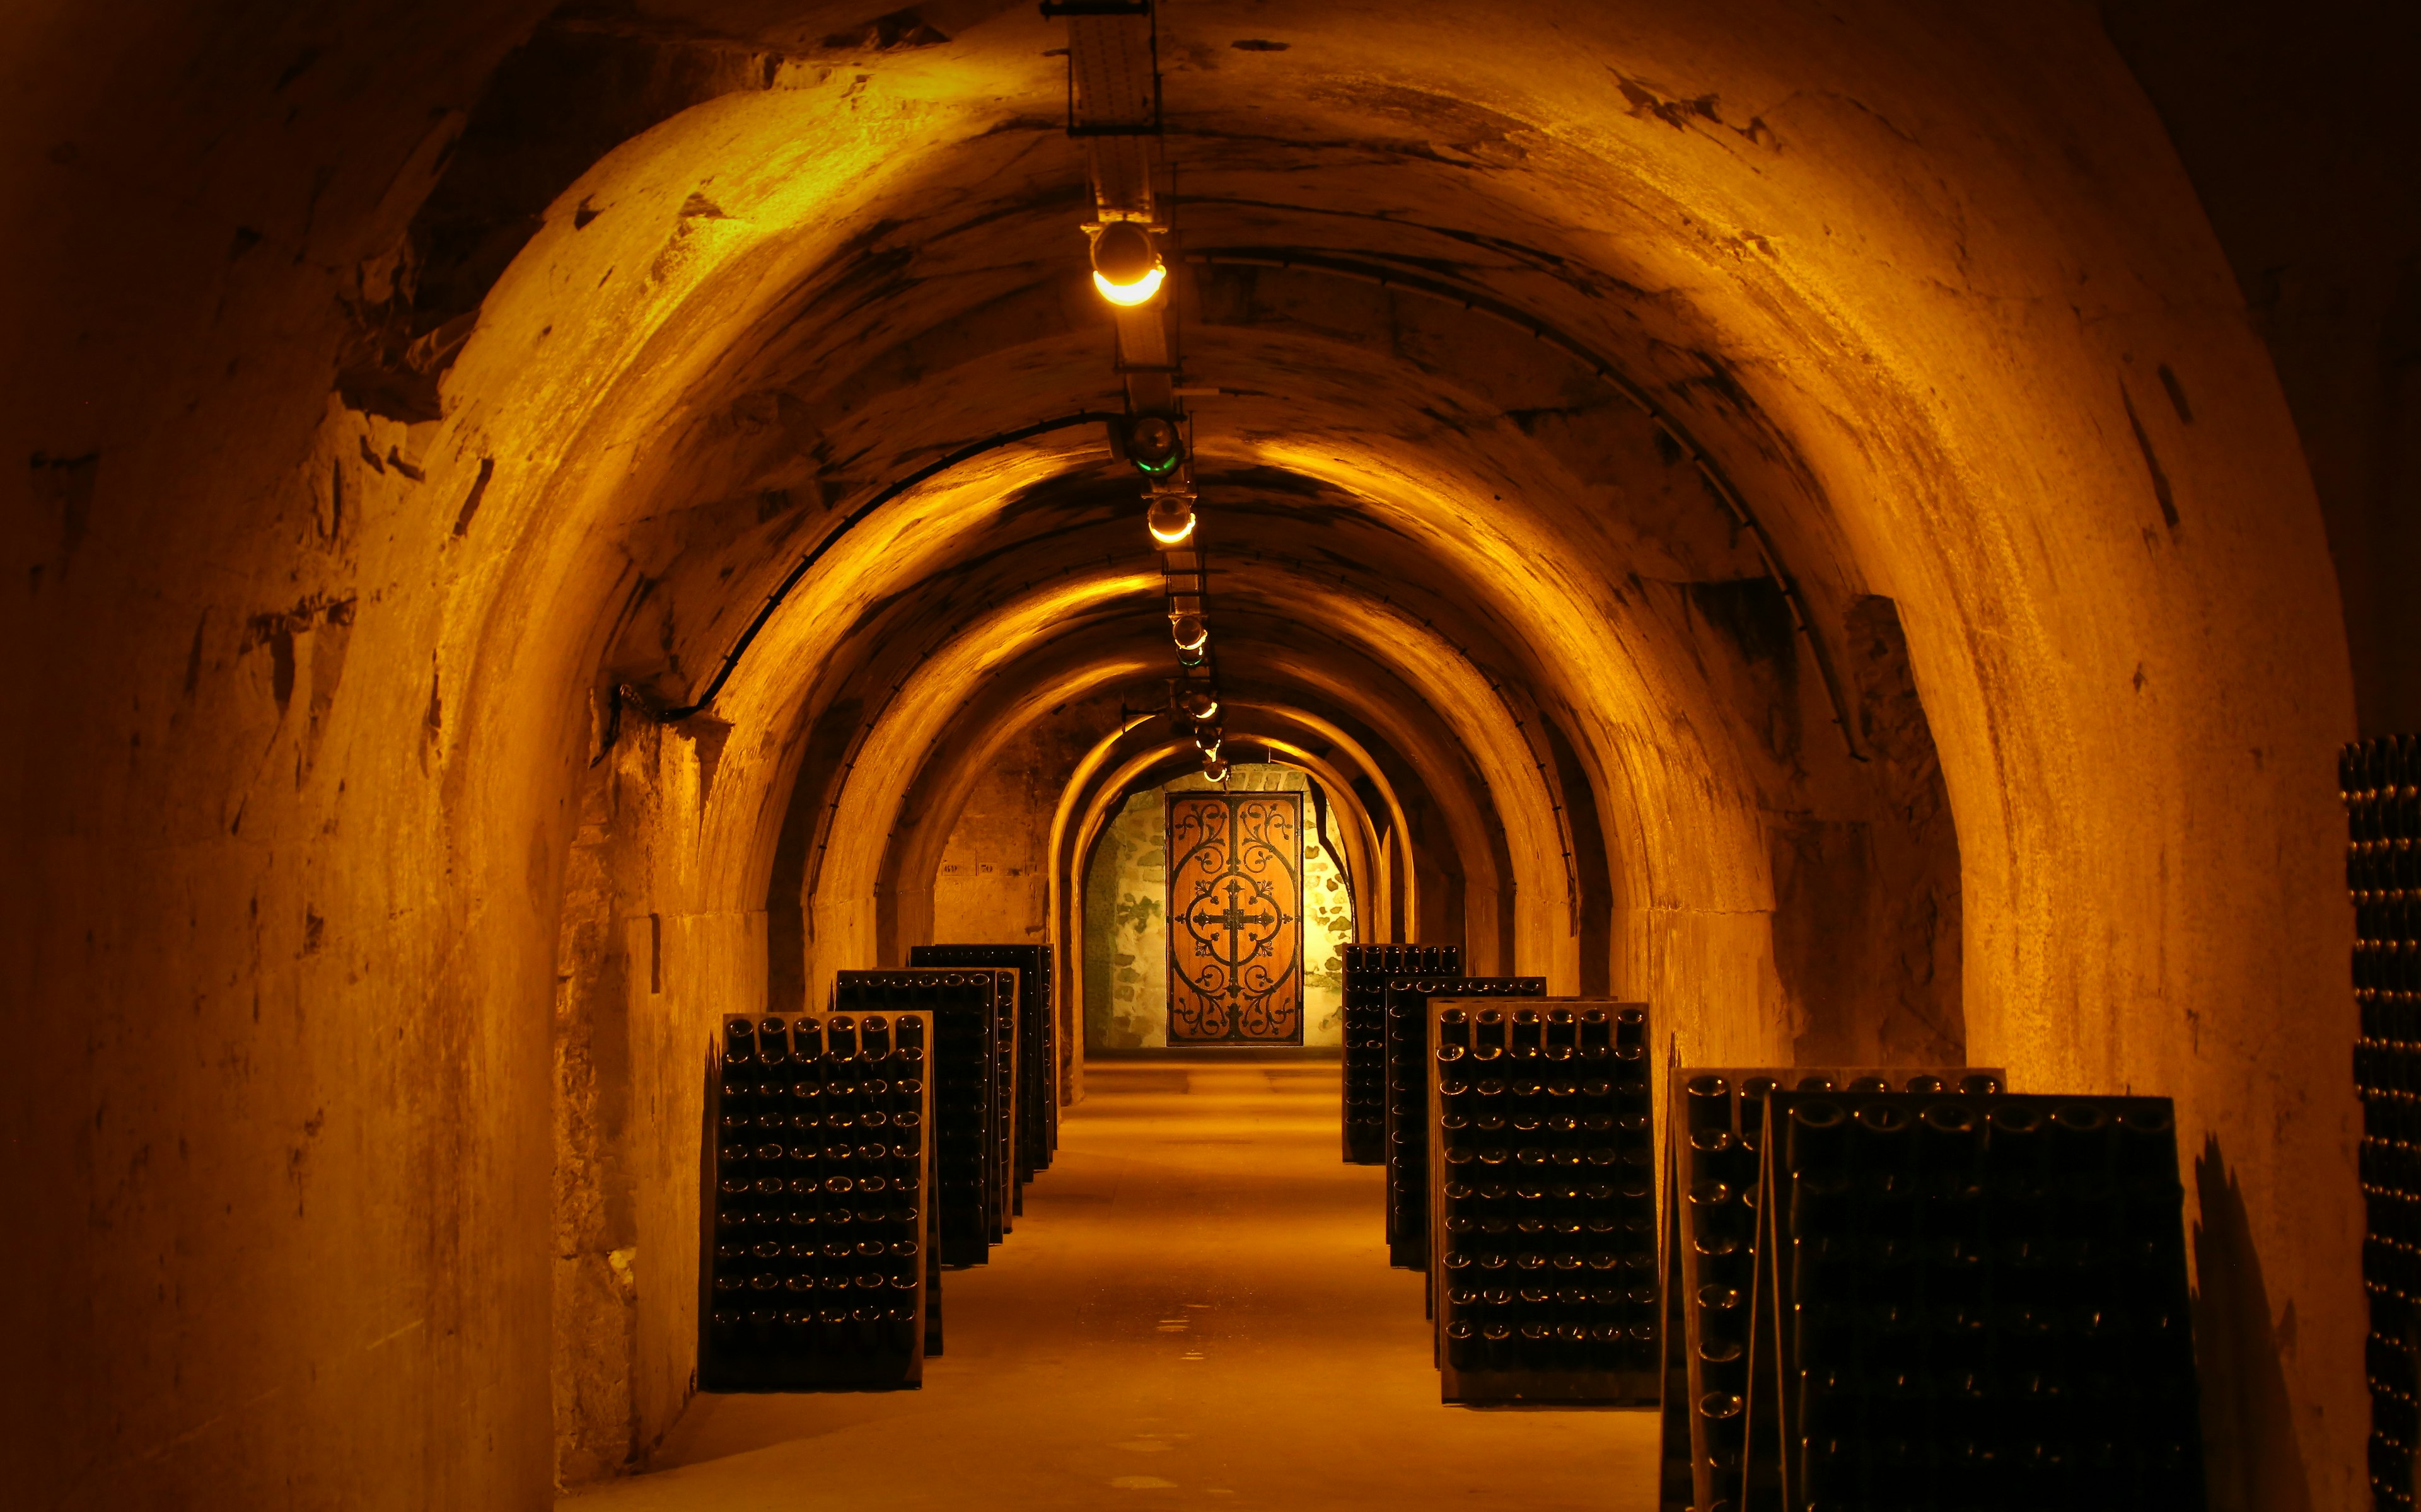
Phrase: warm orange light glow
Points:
(1167, 533)
(1127, 268)
(1141, 291)
(1190, 630)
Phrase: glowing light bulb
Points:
(1170, 522)
(1126, 266)
(1201, 706)
(1190, 631)
(1138, 293)
(1215, 769)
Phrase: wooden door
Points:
(1235, 918)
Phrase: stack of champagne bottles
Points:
(1038, 1058)
(1944, 1295)
(819, 1263)
(1409, 1071)
(1368, 971)
(1714, 1167)
(1518, 1142)
(973, 1019)
(2380, 783)
(1541, 1162)
(899, 1127)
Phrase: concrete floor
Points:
(1194, 1310)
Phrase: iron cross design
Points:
(1235, 945)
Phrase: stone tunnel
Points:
(1863, 527)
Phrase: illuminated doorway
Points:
(1235, 918)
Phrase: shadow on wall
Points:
(2249, 1437)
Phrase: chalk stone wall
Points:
(992, 885)
(1126, 918)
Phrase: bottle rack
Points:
(1367, 969)
(1541, 1173)
(1038, 1039)
(1715, 1119)
(818, 1264)
(1408, 1108)
(968, 1115)
(1977, 1300)
(1004, 1103)
(2380, 782)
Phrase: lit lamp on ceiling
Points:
(1190, 631)
(1200, 707)
(1151, 442)
(1171, 519)
(1126, 266)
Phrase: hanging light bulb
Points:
(1215, 769)
(1171, 519)
(1153, 443)
(1126, 266)
(1190, 631)
(1200, 707)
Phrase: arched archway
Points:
(445, 393)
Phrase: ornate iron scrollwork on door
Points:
(1235, 918)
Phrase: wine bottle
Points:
(1562, 1042)
(1707, 1149)
(773, 1052)
(1753, 1091)
(1708, 1104)
(1817, 1139)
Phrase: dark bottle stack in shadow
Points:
(1544, 1252)
(1978, 1300)
(964, 1059)
(1719, 1448)
(2380, 782)
(816, 1264)
(1367, 969)
(1039, 1056)
(1407, 1077)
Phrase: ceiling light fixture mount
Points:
(1154, 445)
(1114, 109)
